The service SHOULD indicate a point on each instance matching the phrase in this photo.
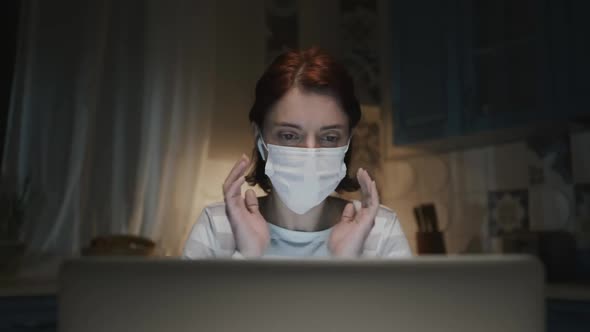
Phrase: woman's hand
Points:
(348, 236)
(249, 227)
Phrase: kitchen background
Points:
(536, 180)
(475, 107)
(125, 117)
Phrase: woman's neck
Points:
(319, 218)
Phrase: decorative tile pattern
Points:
(553, 154)
(549, 165)
(508, 211)
(551, 208)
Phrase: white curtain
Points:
(108, 119)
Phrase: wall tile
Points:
(551, 208)
(508, 211)
(468, 215)
(469, 169)
(551, 197)
(507, 167)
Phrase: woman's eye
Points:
(288, 136)
(330, 138)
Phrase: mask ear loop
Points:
(343, 169)
(260, 144)
(348, 144)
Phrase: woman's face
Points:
(306, 120)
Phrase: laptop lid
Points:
(461, 293)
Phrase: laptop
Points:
(439, 293)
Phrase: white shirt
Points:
(212, 237)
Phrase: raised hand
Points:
(349, 234)
(251, 233)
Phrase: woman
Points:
(303, 117)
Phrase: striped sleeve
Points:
(211, 236)
(201, 242)
(393, 242)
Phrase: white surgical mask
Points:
(303, 177)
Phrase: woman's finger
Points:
(252, 201)
(374, 195)
(361, 180)
(348, 213)
(365, 182)
(235, 189)
(236, 172)
(369, 212)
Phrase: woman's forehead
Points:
(308, 110)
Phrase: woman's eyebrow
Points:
(292, 125)
(336, 126)
(287, 124)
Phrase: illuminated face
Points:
(306, 120)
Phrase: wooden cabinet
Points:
(503, 63)
(462, 67)
(425, 79)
